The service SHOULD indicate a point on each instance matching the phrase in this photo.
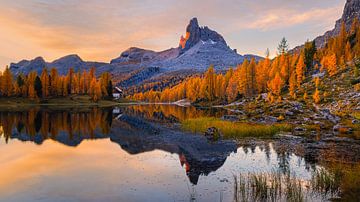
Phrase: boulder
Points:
(327, 115)
(355, 121)
(342, 129)
(213, 134)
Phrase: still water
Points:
(134, 153)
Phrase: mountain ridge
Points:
(200, 48)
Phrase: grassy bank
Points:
(56, 102)
(234, 129)
(277, 186)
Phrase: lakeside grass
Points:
(234, 129)
(277, 186)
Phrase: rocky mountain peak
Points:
(195, 34)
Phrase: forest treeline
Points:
(281, 76)
(52, 84)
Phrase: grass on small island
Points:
(234, 129)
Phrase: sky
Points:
(99, 30)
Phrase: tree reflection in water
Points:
(69, 127)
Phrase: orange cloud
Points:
(276, 19)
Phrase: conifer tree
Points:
(38, 87)
(300, 70)
(210, 84)
(276, 85)
(45, 83)
(316, 96)
(292, 85)
(283, 46)
(54, 76)
(7, 86)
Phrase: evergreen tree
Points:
(7, 85)
(309, 53)
(292, 85)
(210, 84)
(38, 86)
(283, 46)
(300, 71)
(109, 89)
(45, 82)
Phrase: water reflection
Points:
(67, 127)
(173, 113)
(153, 157)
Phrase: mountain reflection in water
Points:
(146, 133)
(129, 129)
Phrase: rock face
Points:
(351, 12)
(195, 34)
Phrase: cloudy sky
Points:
(101, 29)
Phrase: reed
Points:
(234, 129)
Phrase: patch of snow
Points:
(212, 42)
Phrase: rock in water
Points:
(213, 134)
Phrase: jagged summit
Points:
(195, 34)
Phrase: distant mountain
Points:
(62, 65)
(197, 50)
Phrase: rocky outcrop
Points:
(195, 34)
(351, 12)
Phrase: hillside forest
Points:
(283, 76)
